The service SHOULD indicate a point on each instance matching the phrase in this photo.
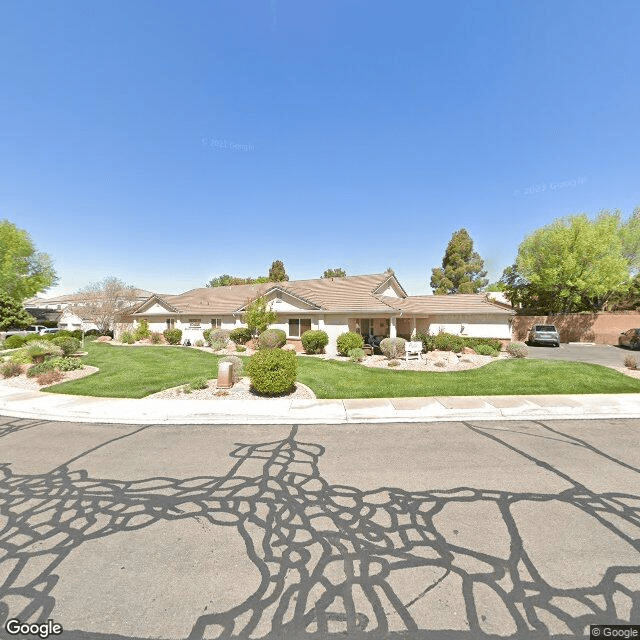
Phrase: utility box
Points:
(225, 375)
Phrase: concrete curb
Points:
(19, 403)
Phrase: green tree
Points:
(258, 316)
(462, 268)
(334, 273)
(13, 314)
(23, 270)
(226, 280)
(630, 236)
(573, 264)
(277, 272)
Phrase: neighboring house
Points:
(371, 305)
(66, 309)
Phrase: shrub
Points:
(448, 342)
(42, 367)
(356, 355)
(21, 356)
(199, 343)
(517, 349)
(219, 338)
(272, 371)
(485, 350)
(11, 369)
(272, 339)
(49, 377)
(238, 366)
(347, 341)
(240, 348)
(65, 364)
(428, 341)
(14, 342)
(206, 334)
(314, 341)
(156, 337)
(393, 347)
(393, 363)
(142, 331)
(241, 335)
(630, 362)
(494, 343)
(43, 348)
(127, 337)
(68, 344)
(172, 336)
(198, 383)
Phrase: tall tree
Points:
(23, 270)
(102, 302)
(226, 280)
(13, 314)
(334, 273)
(462, 268)
(573, 264)
(277, 272)
(630, 236)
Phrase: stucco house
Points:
(374, 304)
(66, 310)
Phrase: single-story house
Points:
(66, 310)
(374, 304)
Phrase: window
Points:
(171, 323)
(216, 323)
(297, 326)
(194, 323)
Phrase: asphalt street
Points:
(460, 530)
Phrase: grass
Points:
(135, 372)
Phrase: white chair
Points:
(412, 349)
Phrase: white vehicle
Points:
(34, 328)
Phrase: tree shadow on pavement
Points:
(335, 561)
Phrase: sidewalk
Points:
(49, 406)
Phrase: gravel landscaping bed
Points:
(240, 391)
(31, 384)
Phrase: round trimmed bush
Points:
(314, 341)
(68, 344)
(517, 350)
(272, 339)
(393, 347)
(356, 355)
(448, 342)
(347, 341)
(238, 366)
(272, 371)
(241, 335)
(218, 338)
(15, 342)
(156, 337)
(427, 341)
(172, 336)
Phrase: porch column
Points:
(321, 323)
(413, 327)
(238, 320)
(392, 327)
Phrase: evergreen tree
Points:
(277, 272)
(462, 268)
(12, 314)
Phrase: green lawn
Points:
(135, 372)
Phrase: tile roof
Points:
(449, 304)
(325, 294)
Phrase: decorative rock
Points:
(468, 350)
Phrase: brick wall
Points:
(602, 328)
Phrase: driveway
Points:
(605, 354)
(465, 530)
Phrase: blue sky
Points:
(166, 143)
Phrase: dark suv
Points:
(544, 334)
